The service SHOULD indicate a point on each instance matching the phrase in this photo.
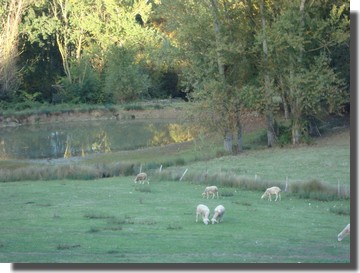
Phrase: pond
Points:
(70, 139)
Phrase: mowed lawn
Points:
(327, 160)
(112, 220)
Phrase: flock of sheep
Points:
(204, 211)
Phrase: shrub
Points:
(125, 80)
(314, 189)
(84, 87)
(284, 135)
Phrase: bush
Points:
(125, 80)
(69, 171)
(283, 134)
(314, 189)
(84, 86)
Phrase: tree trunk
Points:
(62, 38)
(270, 129)
(295, 111)
(228, 141)
(268, 112)
(239, 133)
(295, 100)
(228, 137)
(9, 31)
(217, 32)
(296, 128)
(284, 98)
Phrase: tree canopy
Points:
(291, 57)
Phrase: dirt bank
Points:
(98, 114)
(251, 121)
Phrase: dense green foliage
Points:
(224, 55)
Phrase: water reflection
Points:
(173, 133)
(82, 138)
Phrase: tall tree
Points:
(11, 12)
(215, 64)
(300, 45)
(267, 84)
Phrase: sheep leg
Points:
(276, 197)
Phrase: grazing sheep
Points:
(211, 190)
(218, 214)
(141, 177)
(270, 191)
(344, 233)
(204, 212)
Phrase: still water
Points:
(87, 137)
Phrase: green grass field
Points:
(113, 220)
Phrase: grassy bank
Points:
(323, 167)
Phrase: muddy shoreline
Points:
(98, 114)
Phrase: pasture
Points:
(113, 220)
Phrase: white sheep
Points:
(344, 233)
(270, 191)
(211, 190)
(204, 212)
(141, 177)
(218, 214)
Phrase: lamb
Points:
(218, 214)
(204, 212)
(211, 190)
(344, 233)
(141, 177)
(270, 191)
